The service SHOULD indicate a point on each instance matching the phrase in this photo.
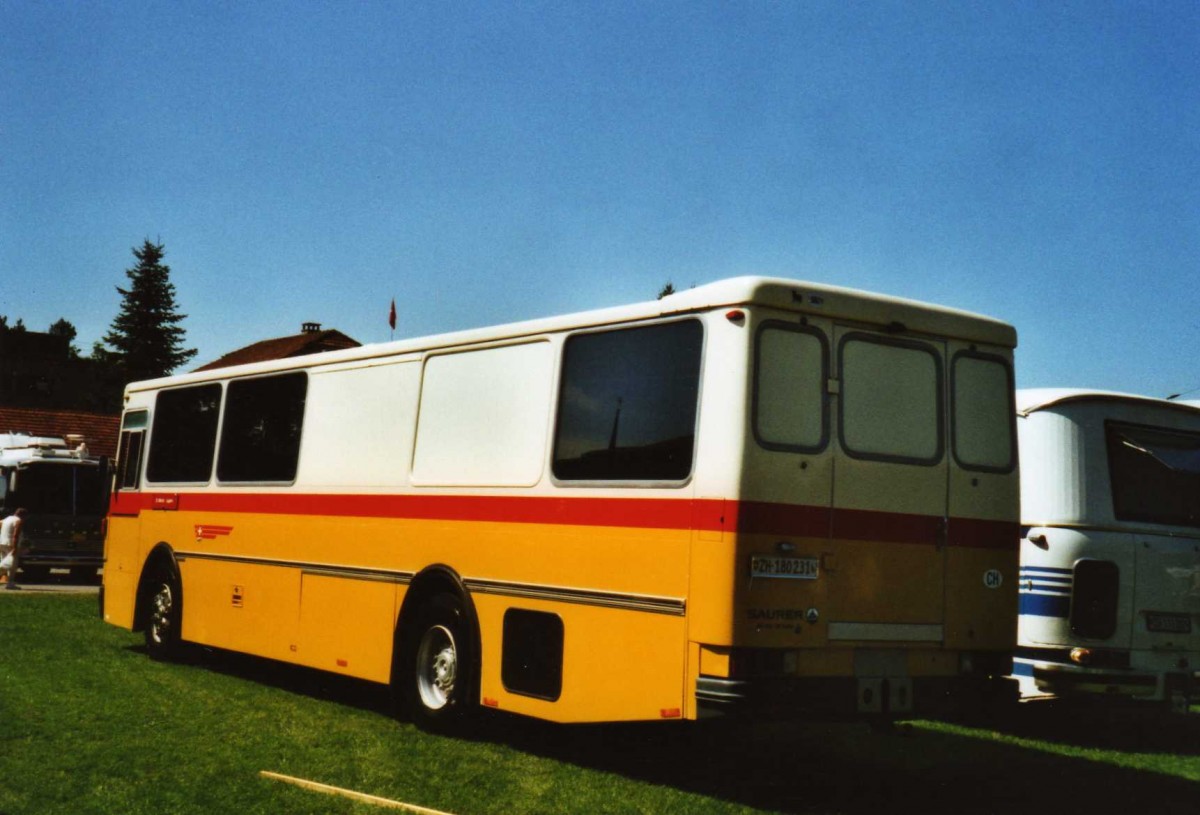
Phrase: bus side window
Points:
(184, 434)
(131, 460)
(627, 404)
(129, 451)
(260, 439)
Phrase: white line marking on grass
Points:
(345, 793)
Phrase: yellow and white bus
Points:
(758, 495)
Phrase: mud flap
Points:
(885, 695)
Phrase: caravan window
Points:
(1155, 474)
(627, 404)
(789, 388)
(983, 410)
(184, 434)
(891, 400)
(260, 438)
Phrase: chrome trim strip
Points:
(305, 567)
(629, 602)
(588, 597)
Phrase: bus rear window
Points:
(184, 434)
(1155, 474)
(983, 411)
(789, 388)
(627, 404)
(891, 400)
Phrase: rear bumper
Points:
(1175, 687)
(61, 559)
(844, 698)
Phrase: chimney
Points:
(310, 328)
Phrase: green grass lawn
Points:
(88, 724)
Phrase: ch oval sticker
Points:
(993, 578)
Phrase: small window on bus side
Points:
(789, 388)
(983, 412)
(627, 404)
(890, 400)
(183, 435)
(260, 437)
(129, 452)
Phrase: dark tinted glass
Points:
(184, 434)
(130, 455)
(60, 489)
(627, 404)
(1155, 474)
(260, 440)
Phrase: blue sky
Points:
(487, 162)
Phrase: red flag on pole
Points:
(392, 315)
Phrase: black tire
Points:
(164, 614)
(34, 574)
(82, 574)
(437, 672)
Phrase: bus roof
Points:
(819, 300)
(1031, 400)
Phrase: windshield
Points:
(59, 489)
(1155, 474)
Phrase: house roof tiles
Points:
(99, 430)
(309, 342)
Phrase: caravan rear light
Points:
(1100, 658)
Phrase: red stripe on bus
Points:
(750, 517)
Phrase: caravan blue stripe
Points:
(1042, 605)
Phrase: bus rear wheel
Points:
(438, 666)
(163, 615)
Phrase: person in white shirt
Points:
(10, 538)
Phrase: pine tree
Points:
(146, 338)
(64, 328)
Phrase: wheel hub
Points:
(437, 667)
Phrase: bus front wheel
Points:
(439, 664)
(164, 615)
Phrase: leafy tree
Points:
(146, 337)
(667, 289)
(63, 328)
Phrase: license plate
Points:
(796, 568)
(1169, 623)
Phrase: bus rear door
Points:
(890, 516)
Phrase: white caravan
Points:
(1110, 551)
